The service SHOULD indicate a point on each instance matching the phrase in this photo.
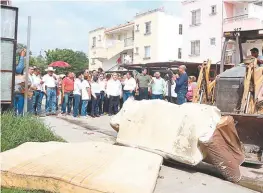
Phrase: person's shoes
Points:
(97, 115)
(92, 116)
(42, 115)
(109, 115)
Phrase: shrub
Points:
(16, 130)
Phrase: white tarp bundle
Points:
(170, 130)
(90, 167)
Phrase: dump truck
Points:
(238, 91)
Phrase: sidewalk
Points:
(171, 179)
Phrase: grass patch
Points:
(7, 190)
(16, 130)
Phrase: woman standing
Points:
(77, 94)
(191, 88)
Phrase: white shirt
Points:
(114, 88)
(173, 93)
(84, 90)
(77, 86)
(102, 84)
(36, 82)
(95, 88)
(129, 84)
(49, 81)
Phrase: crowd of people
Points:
(95, 93)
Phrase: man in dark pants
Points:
(114, 93)
(181, 85)
(143, 81)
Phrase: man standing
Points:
(254, 53)
(38, 92)
(129, 86)
(50, 89)
(102, 83)
(30, 90)
(143, 80)
(85, 95)
(181, 85)
(158, 86)
(77, 93)
(67, 93)
(114, 92)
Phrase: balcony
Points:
(128, 42)
(252, 19)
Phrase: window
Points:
(137, 28)
(119, 37)
(147, 28)
(213, 10)
(179, 53)
(147, 51)
(180, 29)
(196, 17)
(136, 50)
(99, 39)
(94, 42)
(93, 62)
(259, 3)
(195, 48)
(212, 41)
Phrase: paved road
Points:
(171, 179)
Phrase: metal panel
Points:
(8, 23)
(6, 86)
(7, 51)
(228, 93)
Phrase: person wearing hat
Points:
(254, 53)
(50, 89)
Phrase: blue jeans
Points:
(95, 105)
(67, 103)
(18, 103)
(37, 101)
(157, 96)
(126, 95)
(76, 105)
(51, 100)
(84, 107)
(181, 99)
(30, 105)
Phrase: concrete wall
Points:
(210, 27)
(141, 40)
(168, 40)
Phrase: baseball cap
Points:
(254, 50)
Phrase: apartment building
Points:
(152, 36)
(206, 20)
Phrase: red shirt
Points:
(68, 84)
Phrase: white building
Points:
(205, 21)
(153, 36)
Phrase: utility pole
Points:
(27, 63)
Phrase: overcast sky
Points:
(65, 24)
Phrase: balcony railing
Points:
(236, 18)
(128, 42)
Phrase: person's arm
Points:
(134, 85)
(89, 91)
(120, 90)
(21, 63)
(180, 81)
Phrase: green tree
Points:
(77, 59)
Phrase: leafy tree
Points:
(77, 59)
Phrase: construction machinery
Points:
(238, 91)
